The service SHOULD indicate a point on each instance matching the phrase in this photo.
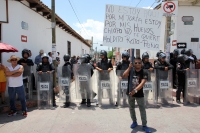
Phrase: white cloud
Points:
(147, 7)
(91, 28)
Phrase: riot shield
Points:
(192, 90)
(64, 81)
(149, 89)
(105, 87)
(122, 86)
(27, 81)
(45, 88)
(83, 87)
(164, 86)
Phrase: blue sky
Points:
(91, 15)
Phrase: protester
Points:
(58, 59)
(38, 58)
(2, 83)
(73, 60)
(15, 85)
(138, 76)
(50, 58)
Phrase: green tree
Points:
(110, 54)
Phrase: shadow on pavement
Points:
(191, 105)
(84, 107)
(170, 105)
(139, 129)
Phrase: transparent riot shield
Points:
(122, 86)
(192, 90)
(83, 84)
(149, 90)
(45, 88)
(27, 81)
(164, 86)
(105, 87)
(64, 81)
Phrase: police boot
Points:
(83, 101)
(67, 104)
(88, 103)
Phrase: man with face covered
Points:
(46, 67)
(162, 67)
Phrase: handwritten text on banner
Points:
(130, 27)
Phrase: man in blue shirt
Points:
(38, 59)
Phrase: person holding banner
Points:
(123, 65)
(137, 77)
(181, 71)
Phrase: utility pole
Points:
(53, 24)
(167, 37)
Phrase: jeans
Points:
(141, 104)
(12, 91)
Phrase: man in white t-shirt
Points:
(15, 85)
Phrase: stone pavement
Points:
(110, 119)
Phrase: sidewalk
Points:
(80, 119)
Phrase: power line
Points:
(137, 3)
(78, 18)
(152, 5)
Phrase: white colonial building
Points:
(29, 26)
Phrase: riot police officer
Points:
(174, 61)
(26, 63)
(190, 62)
(104, 67)
(86, 68)
(46, 67)
(123, 65)
(162, 67)
(157, 55)
(67, 72)
(181, 72)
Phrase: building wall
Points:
(184, 33)
(38, 33)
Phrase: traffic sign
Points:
(181, 45)
(170, 8)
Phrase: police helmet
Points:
(182, 58)
(162, 55)
(145, 55)
(45, 56)
(187, 52)
(25, 51)
(66, 57)
(88, 58)
(104, 53)
(126, 55)
(183, 51)
(83, 59)
(176, 52)
(158, 53)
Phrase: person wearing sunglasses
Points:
(15, 85)
(162, 67)
(137, 77)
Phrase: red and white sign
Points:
(23, 38)
(174, 42)
(170, 8)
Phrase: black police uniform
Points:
(174, 61)
(67, 72)
(44, 67)
(181, 72)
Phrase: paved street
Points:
(80, 119)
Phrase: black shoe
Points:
(116, 104)
(54, 105)
(178, 101)
(88, 103)
(83, 101)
